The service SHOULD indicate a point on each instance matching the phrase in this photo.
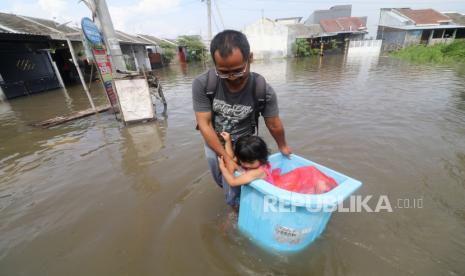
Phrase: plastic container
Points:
(281, 220)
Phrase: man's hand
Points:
(286, 151)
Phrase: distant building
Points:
(275, 38)
(156, 50)
(331, 13)
(350, 28)
(403, 27)
(458, 19)
(268, 39)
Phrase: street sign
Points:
(91, 31)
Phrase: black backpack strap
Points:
(210, 89)
(212, 84)
(259, 90)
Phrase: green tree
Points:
(195, 49)
(168, 53)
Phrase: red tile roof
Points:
(426, 16)
(343, 24)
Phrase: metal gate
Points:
(26, 72)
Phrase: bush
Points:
(301, 48)
(439, 53)
(168, 53)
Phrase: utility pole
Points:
(103, 18)
(209, 12)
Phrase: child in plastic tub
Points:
(251, 153)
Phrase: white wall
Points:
(267, 39)
(142, 57)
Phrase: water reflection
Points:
(92, 197)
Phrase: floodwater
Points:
(92, 197)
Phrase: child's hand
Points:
(221, 163)
(226, 136)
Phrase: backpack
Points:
(258, 88)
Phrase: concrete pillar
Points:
(106, 25)
(454, 34)
(430, 37)
(135, 58)
(2, 95)
(57, 72)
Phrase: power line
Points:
(219, 13)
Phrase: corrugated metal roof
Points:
(126, 38)
(156, 40)
(15, 24)
(11, 23)
(425, 16)
(343, 24)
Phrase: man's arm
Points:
(209, 135)
(275, 126)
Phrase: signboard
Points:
(135, 100)
(104, 66)
(91, 31)
(95, 39)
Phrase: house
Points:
(331, 13)
(31, 55)
(156, 50)
(458, 19)
(338, 26)
(267, 39)
(401, 27)
(134, 51)
(36, 56)
(275, 38)
(345, 28)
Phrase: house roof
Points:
(456, 17)
(424, 17)
(343, 24)
(18, 24)
(429, 27)
(156, 40)
(126, 38)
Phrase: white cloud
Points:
(135, 17)
(142, 16)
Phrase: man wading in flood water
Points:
(229, 98)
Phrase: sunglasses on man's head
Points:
(239, 73)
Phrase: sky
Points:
(170, 18)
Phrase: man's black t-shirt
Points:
(233, 111)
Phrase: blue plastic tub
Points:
(281, 220)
